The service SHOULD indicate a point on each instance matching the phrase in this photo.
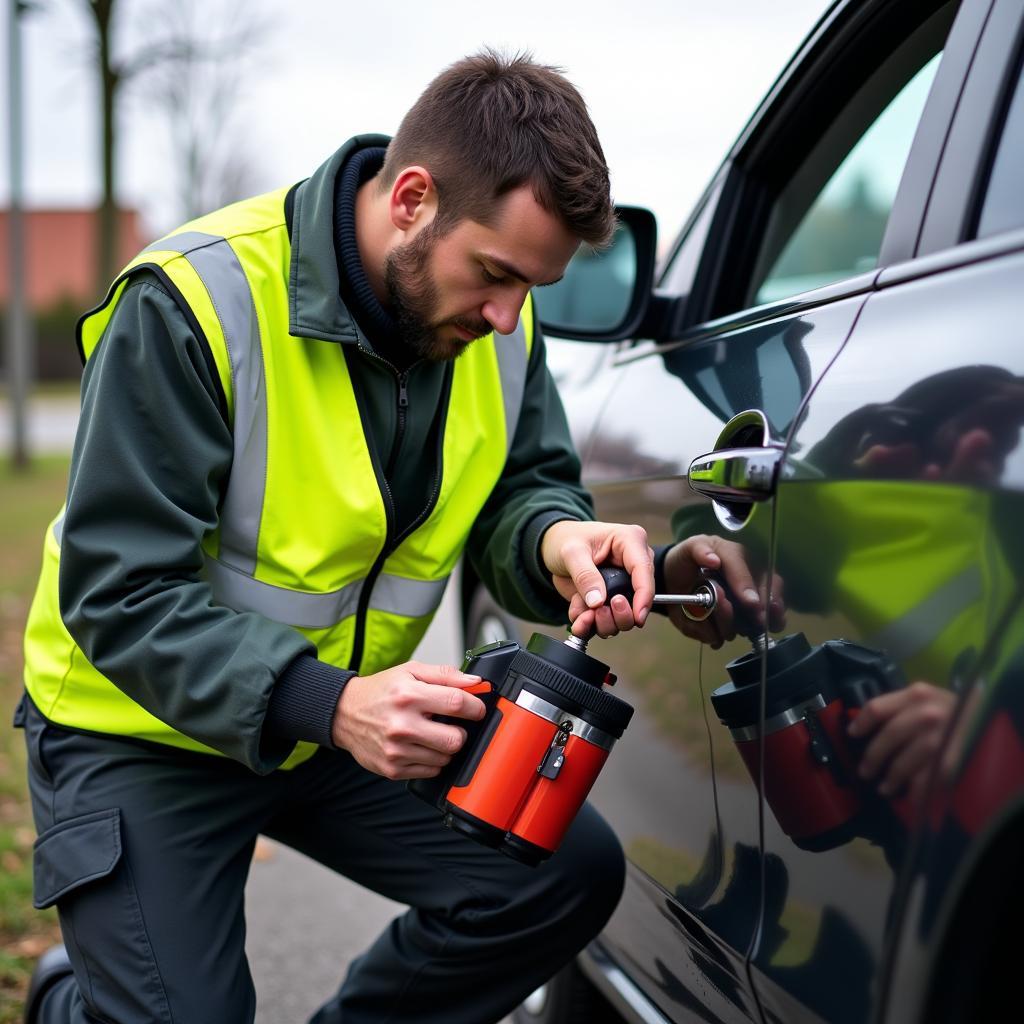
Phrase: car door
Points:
(776, 267)
(907, 469)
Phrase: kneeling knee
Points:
(591, 866)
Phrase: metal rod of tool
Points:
(697, 606)
(702, 600)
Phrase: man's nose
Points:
(503, 314)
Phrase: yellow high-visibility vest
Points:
(303, 533)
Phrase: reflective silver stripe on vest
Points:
(58, 529)
(394, 594)
(218, 268)
(402, 596)
(512, 359)
(184, 242)
(920, 627)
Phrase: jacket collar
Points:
(315, 309)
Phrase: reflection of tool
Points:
(527, 766)
(811, 694)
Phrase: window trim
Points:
(976, 128)
(902, 233)
(978, 250)
(792, 306)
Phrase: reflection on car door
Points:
(680, 797)
(880, 574)
(910, 490)
(925, 459)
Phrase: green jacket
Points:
(150, 461)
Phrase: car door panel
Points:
(905, 478)
(679, 795)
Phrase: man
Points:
(297, 413)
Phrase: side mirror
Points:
(604, 296)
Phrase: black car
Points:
(827, 370)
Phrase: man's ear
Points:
(413, 199)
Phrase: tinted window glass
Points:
(840, 232)
(1004, 201)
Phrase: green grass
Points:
(28, 501)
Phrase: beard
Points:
(413, 300)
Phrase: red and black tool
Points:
(527, 766)
(810, 763)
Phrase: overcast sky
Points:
(669, 83)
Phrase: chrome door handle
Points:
(736, 474)
(742, 470)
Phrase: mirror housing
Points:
(604, 296)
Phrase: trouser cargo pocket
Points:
(75, 853)
(79, 866)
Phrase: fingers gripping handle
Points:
(697, 606)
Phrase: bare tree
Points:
(194, 63)
(200, 95)
(110, 81)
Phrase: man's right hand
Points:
(385, 720)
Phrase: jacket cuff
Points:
(533, 534)
(304, 700)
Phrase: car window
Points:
(828, 219)
(1003, 208)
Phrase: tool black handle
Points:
(617, 581)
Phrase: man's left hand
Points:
(572, 551)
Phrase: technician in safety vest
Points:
(279, 462)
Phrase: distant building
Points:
(60, 255)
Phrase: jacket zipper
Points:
(391, 542)
(403, 408)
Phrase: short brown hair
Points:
(489, 124)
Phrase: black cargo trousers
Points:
(145, 852)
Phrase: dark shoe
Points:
(52, 966)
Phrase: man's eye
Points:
(489, 277)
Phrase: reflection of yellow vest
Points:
(303, 536)
(916, 566)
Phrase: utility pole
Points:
(19, 343)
